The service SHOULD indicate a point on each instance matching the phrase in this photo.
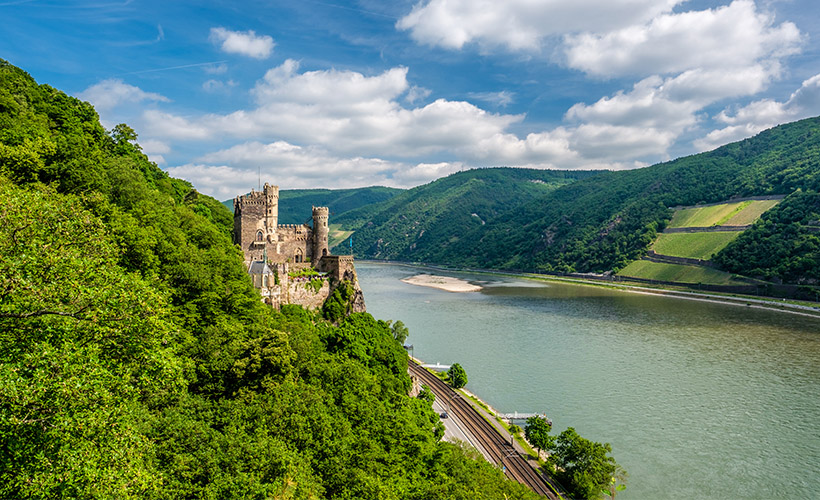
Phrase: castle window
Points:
(259, 236)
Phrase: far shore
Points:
(769, 303)
(445, 283)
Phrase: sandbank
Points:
(442, 283)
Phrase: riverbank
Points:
(773, 304)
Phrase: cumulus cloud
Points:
(345, 112)
(226, 172)
(245, 43)
(762, 114)
(735, 35)
(521, 24)
(113, 92)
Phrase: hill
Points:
(438, 215)
(295, 204)
(137, 361)
(606, 221)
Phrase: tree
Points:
(537, 433)
(122, 134)
(426, 394)
(457, 376)
(583, 466)
(617, 483)
(400, 332)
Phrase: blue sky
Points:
(345, 94)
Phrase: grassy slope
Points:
(694, 245)
(751, 213)
(705, 216)
(678, 273)
(738, 213)
(337, 235)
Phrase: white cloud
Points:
(762, 114)
(170, 126)
(245, 43)
(733, 36)
(687, 61)
(344, 112)
(216, 68)
(500, 99)
(417, 94)
(108, 94)
(521, 24)
(218, 85)
(154, 146)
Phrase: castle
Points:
(289, 263)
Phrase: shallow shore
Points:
(445, 283)
(772, 304)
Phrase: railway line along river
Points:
(698, 399)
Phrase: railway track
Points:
(500, 451)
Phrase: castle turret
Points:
(320, 232)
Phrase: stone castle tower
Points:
(320, 233)
(255, 222)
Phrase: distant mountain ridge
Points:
(602, 221)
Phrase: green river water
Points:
(699, 400)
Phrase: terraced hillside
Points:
(683, 252)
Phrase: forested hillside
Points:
(605, 221)
(136, 361)
(437, 216)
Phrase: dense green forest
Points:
(605, 221)
(136, 360)
(295, 205)
(436, 217)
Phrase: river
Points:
(699, 400)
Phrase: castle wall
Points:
(295, 243)
(300, 292)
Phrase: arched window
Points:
(259, 236)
